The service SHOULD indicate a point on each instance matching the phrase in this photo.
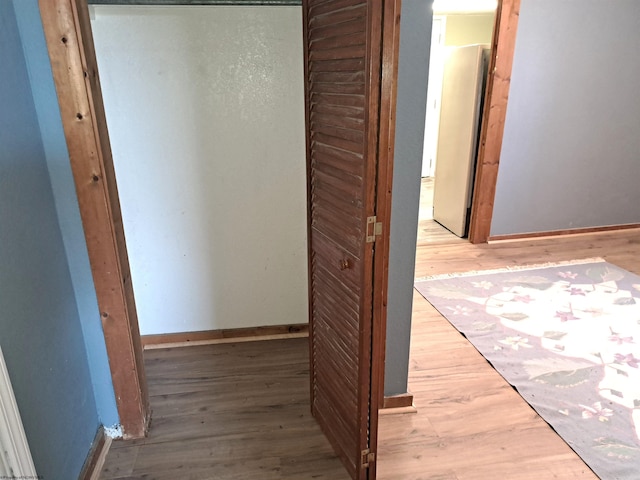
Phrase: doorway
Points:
(69, 39)
(350, 56)
(212, 181)
(458, 68)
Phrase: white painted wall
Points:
(571, 150)
(205, 108)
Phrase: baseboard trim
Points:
(96, 456)
(403, 400)
(397, 411)
(208, 337)
(555, 233)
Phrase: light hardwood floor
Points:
(240, 411)
(429, 231)
(470, 423)
(228, 411)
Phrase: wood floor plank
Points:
(228, 411)
(431, 232)
(241, 411)
(121, 462)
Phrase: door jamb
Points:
(387, 128)
(493, 119)
(69, 41)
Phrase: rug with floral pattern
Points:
(567, 337)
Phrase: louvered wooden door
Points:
(343, 84)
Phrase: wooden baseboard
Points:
(397, 411)
(208, 337)
(555, 233)
(403, 400)
(96, 456)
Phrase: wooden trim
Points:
(70, 43)
(398, 401)
(555, 233)
(96, 456)
(225, 336)
(398, 411)
(307, 137)
(374, 179)
(386, 145)
(493, 120)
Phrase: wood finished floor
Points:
(431, 232)
(240, 411)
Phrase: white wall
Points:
(571, 149)
(206, 118)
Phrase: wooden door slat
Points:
(324, 7)
(336, 16)
(351, 51)
(334, 202)
(337, 32)
(338, 65)
(343, 88)
(357, 38)
(343, 64)
(337, 121)
(338, 77)
(335, 140)
(344, 111)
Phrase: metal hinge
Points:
(374, 229)
(367, 458)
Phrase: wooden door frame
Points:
(69, 41)
(386, 147)
(493, 119)
(70, 44)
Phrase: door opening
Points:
(367, 63)
(491, 126)
(458, 68)
(68, 36)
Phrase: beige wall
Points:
(469, 29)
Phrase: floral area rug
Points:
(567, 337)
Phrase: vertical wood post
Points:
(70, 43)
(492, 129)
(386, 143)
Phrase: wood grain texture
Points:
(230, 411)
(429, 231)
(398, 401)
(343, 75)
(469, 425)
(166, 340)
(387, 122)
(493, 120)
(69, 41)
(96, 456)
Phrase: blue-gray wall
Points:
(40, 329)
(571, 150)
(66, 202)
(413, 69)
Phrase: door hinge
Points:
(374, 229)
(367, 458)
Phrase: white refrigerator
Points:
(463, 84)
